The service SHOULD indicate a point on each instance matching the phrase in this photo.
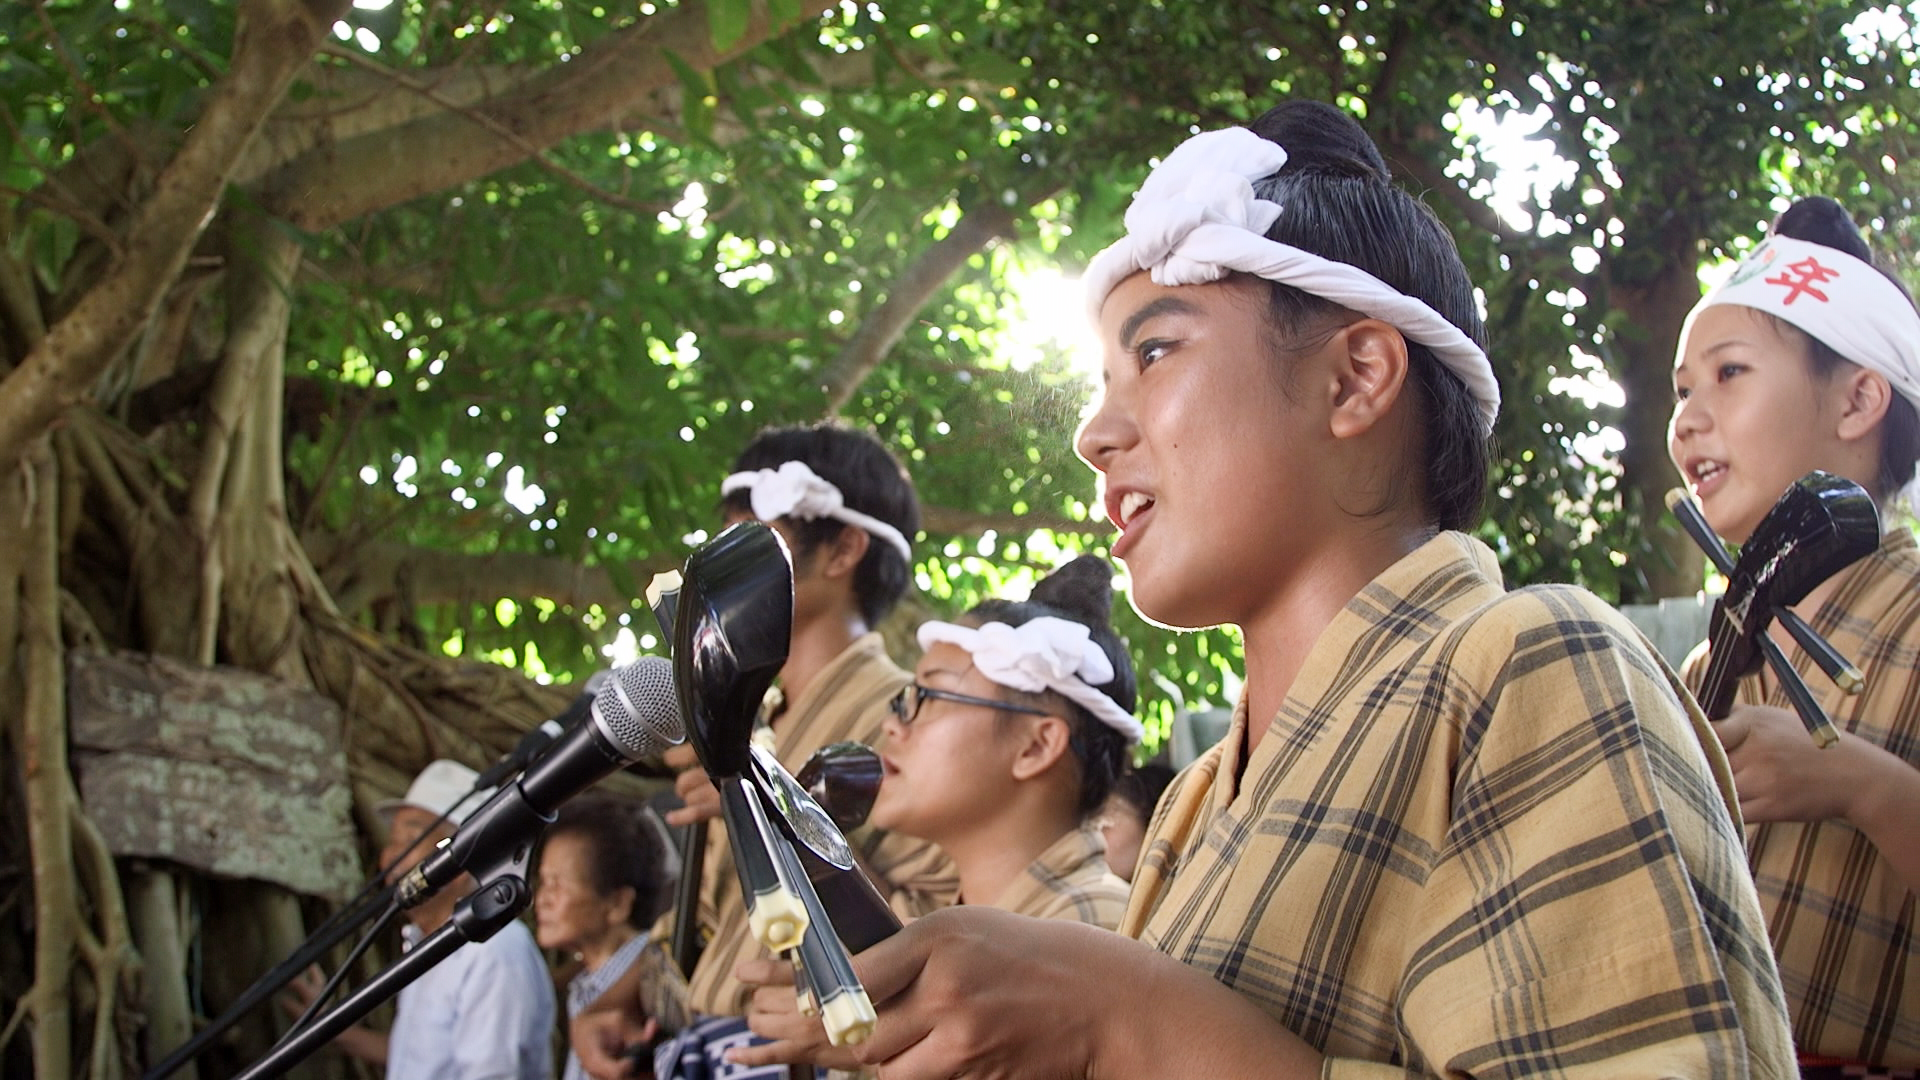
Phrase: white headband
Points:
(1041, 654)
(1196, 218)
(1843, 302)
(796, 490)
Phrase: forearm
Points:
(1184, 1025)
(1885, 808)
(363, 1044)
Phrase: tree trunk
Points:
(154, 907)
(250, 926)
(43, 755)
(1655, 307)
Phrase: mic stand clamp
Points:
(479, 915)
(508, 813)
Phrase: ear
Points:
(1045, 742)
(841, 557)
(1369, 361)
(1865, 397)
(620, 911)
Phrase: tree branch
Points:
(362, 575)
(533, 153)
(1394, 57)
(348, 102)
(271, 40)
(89, 222)
(366, 574)
(328, 185)
(911, 291)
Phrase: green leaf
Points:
(727, 21)
(696, 110)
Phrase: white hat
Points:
(437, 790)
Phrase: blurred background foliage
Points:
(555, 360)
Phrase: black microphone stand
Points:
(685, 946)
(479, 916)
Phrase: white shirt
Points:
(484, 1013)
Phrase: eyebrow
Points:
(1710, 351)
(1165, 305)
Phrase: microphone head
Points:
(639, 710)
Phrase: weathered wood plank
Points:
(223, 770)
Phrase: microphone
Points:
(636, 716)
(530, 744)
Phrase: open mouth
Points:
(1132, 505)
(1705, 473)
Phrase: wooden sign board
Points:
(228, 771)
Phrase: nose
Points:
(1690, 417)
(1109, 430)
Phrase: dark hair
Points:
(1820, 220)
(870, 480)
(1340, 203)
(1143, 786)
(1081, 591)
(623, 851)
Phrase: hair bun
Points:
(1321, 138)
(1082, 588)
(1819, 220)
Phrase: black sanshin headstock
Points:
(1822, 525)
(730, 638)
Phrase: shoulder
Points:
(1565, 658)
(1092, 894)
(864, 680)
(1541, 631)
(1892, 588)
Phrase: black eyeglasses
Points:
(906, 703)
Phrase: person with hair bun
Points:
(1011, 802)
(848, 514)
(1808, 357)
(1001, 751)
(1453, 829)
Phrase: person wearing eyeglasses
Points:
(1006, 744)
(1002, 751)
(847, 512)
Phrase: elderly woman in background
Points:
(600, 882)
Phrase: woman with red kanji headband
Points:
(1808, 357)
(1453, 829)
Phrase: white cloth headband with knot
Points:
(1843, 302)
(1196, 218)
(796, 490)
(1041, 654)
